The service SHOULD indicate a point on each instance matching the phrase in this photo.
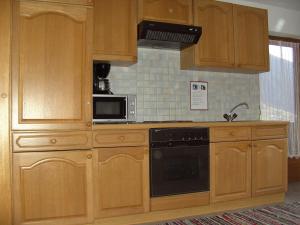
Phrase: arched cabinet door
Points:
(53, 188)
(123, 173)
(230, 170)
(51, 66)
(216, 46)
(269, 166)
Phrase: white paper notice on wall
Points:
(198, 93)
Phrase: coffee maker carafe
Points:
(101, 84)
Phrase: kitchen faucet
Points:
(230, 117)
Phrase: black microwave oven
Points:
(114, 108)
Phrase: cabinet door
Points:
(269, 166)
(169, 11)
(115, 31)
(122, 173)
(230, 171)
(216, 46)
(51, 66)
(251, 38)
(53, 188)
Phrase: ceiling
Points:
(288, 4)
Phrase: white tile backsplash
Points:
(162, 89)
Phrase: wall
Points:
(282, 22)
(163, 89)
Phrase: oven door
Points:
(109, 108)
(179, 170)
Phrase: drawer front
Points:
(23, 142)
(114, 138)
(218, 134)
(271, 131)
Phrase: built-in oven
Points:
(179, 160)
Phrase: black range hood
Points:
(166, 35)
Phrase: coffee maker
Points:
(101, 83)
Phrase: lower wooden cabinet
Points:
(230, 170)
(52, 188)
(269, 166)
(121, 181)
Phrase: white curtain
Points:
(279, 90)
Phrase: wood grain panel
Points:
(218, 134)
(53, 188)
(269, 132)
(51, 60)
(230, 171)
(269, 166)
(125, 176)
(5, 153)
(115, 31)
(170, 11)
(251, 38)
(179, 201)
(117, 138)
(52, 141)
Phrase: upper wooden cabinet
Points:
(251, 38)
(115, 31)
(269, 166)
(216, 45)
(53, 188)
(169, 11)
(233, 37)
(51, 66)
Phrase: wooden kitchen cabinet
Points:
(216, 45)
(234, 37)
(115, 31)
(51, 188)
(51, 66)
(122, 181)
(75, 2)
(269, 166)
(169, 11)
(251, 38)
(230, 171)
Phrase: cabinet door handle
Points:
(122, 138)
(89, 124)
(170, 10)
(89, 156)
(53, 141)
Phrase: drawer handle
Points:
(3, 95)
(231, 133)
(122, 138)
(88, 124)
(170, 10)
(53, 141)
(89, 156)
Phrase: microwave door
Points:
(109, 108)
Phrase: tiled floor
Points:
(293, 193)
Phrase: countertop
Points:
(161, 124)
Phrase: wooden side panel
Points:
(115, 30)
(170, 11)
(216, 46)
(251, 38)
(269, 166)
(53, 188)
(293, 170)
(5, 153)
(230, 171)
(124, 174)
(50, 66)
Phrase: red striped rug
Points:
(284, 214)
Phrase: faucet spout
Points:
(238, 105)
